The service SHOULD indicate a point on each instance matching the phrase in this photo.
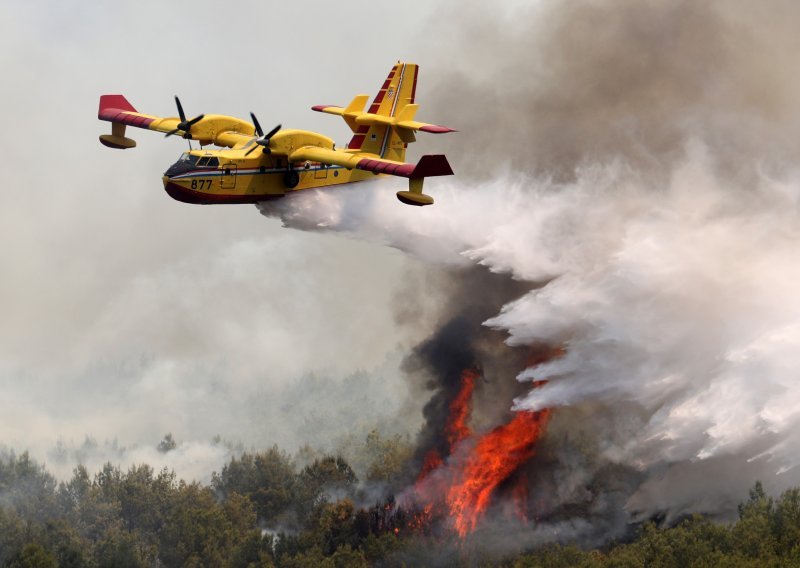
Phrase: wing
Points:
(404, 122)
(428, 166)
(212, 128)
(116, 109)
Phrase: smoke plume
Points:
(631, 163)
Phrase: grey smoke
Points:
(636, 160)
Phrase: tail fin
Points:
(397, 92)
(115, 109)
(114, 102)
(386, 129)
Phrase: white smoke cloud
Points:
(676, 296)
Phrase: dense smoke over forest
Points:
(632, 162)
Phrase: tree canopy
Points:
(262, 510)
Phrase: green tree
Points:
(347, 557)
(141, 497)
(268, 479)
(195, 530)
(334, 526)
(27, 487)
(753, 533)
(254, 551)
(786, 522)
(386, 458)
(88, 507)
(120, 549)
(327, 476)
(63, 541)
(312, 558)
(32, 555)
(12, 534)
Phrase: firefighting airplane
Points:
(252, 166)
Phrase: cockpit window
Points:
(207, 161)
(187, 157)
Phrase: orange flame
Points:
(457, 429)
(432, 461)
(495, 457)
(468, 485)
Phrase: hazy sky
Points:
(125, 314)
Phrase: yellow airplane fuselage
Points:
(236, 176)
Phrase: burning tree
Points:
(455, 490)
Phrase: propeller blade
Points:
(184, 125)
(251, 149)
(257, 125)
(180, 109)
(195, 120)
(273, 132)
(264, 140)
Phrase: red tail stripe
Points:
(414, 84)
(428, 166)
(122, 117)
(358, 138)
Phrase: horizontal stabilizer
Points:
(349, 113)
(404, 122)
(428, 166)
(329, 109)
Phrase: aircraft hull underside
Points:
(206, 187)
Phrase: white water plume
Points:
(678, 296)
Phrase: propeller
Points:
(184, 125)
(262, 140)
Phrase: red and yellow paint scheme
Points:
(250, 166)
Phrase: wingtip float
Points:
(289, 160)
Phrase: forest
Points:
(273, 509)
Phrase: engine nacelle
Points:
(287, 141)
